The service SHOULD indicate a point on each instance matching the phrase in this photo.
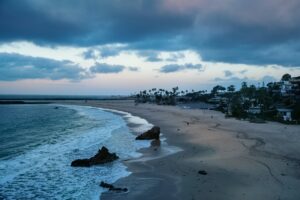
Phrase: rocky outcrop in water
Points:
(151, 134)
(112, 188)
(103, 156)
(202, 172)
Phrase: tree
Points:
(286, 77)
(251, 91)
(248, 91)
(296, 111)
(217, 88)
(244, 85)
(175, 91)
(237, 108)
(173, 95)
(231, 88)
(264, 99)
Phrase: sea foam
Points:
(44, 172)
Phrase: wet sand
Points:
(243, 160)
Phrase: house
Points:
(295, 81)
(218, 100)
(286, 87)
(285, 114)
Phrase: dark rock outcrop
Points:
(202, 172)
(81, 163)
(112, 188)
(103, 156)
(151, 134)
(155, 143)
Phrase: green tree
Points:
(231, 88)
(286, 77)
(244, 85)
(217, 89)
(237, 108)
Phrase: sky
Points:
(112, 47)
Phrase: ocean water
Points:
(39, 142)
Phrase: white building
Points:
(285, 87)
(285, 113)
(254, 110)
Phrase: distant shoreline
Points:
(61, 97)
(41, 99)
(8, 102)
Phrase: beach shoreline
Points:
(240, 158)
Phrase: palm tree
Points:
(231, 88)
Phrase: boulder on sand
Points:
(103, 156)
(155, 143)
(112, 188)
(202, 172)
(151, 134)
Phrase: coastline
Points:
(241, 158)
(142, 177)
(39, 153)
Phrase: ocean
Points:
(39, 142)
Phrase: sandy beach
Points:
(243, 160)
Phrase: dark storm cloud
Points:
(110, 51)
(90, 54)
(102, 52)
(153, 56)
(228, 73)
(175, 68)
(234, 31)
(174, 57)
(104, 68)
(87, 22)
(150, 56)
(16, 67)
(170, 68)
(246, 32)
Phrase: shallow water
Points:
(38, 143)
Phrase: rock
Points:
(112, 188)
(155, 143)
(103, 156)
(106, 185)
(202, 172)
(81, 163)
(153, 133)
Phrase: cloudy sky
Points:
(121, 46)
